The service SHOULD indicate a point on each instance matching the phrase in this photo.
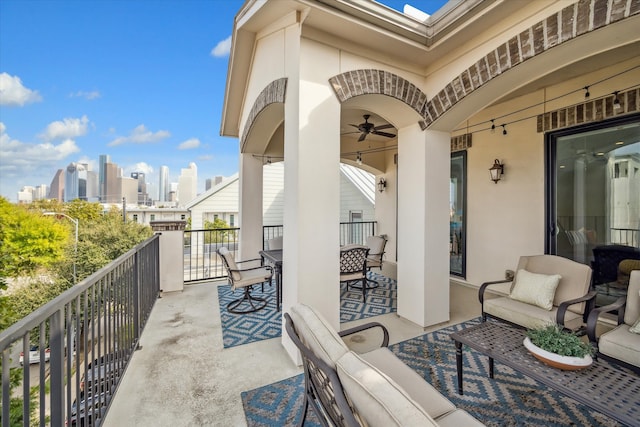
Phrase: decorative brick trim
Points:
(589, 111)
(461, 142)
(574, 20)
(274, 92)
(365, 82)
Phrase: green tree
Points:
(220, 233)
(28, 240)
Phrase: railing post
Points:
(136, 298)
(56, 368)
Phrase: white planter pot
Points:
(566, 363)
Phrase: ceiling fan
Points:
(367, 128)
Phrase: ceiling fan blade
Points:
(362, 137)
(350, 133)
(387, 126)
(388, 135)
(355, 126)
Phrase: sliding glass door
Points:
(593, 198)
(457, 202)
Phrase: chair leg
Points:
(256, 303)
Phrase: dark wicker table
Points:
(604, 387)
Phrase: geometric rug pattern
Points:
(238, 329)
(509, 399)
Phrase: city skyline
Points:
(142, 81)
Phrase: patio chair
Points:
(606, 263)
(621, 344)
(376, 246)
(245, 278)
(546, 289)
(353, 267)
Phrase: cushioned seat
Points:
(622, 344)
(380, 388)
(546, 289)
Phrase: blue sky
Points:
(142, 81)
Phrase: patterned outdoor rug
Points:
(510, 399)
(240, 329)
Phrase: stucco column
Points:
(250, 183)
(423, 225)
(312, 185)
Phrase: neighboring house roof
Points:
(213, 190)
(362, 180)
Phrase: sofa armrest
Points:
(592, 321)
(485, 285)
(589, 298)
(366, 326)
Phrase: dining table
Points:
(274, 258)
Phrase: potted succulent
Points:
(559, 348)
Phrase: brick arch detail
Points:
(378, 82)
(574, 20)
(274, 92)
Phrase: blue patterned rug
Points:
(240, 329)
(510, 399)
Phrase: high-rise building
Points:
(56, 189)
(163, 185)
(75, 182)
(41, 192)
(212, 182)
(104, 159)
(112, 185)
(25, 195)
(187, 184)
(143, 196)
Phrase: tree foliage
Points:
(28, 240)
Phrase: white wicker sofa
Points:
(371, 389)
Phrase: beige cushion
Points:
(576, 277)
(231, 262)
(378, 399)
(251, 277)
(621, 344)
(317, 334)
(632, 309)
(536, 289)
(458, 418)
(429, 399)
(528, 315)
(636, 327)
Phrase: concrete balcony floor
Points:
(182, 375)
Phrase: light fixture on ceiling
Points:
(586, 92)
(382, 184)
(504, 128)
(616, 101)
(496, 171)
(359, 158)
(493, 126)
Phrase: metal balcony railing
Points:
(84, 338)
(350, 232)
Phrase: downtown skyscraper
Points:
(163, 185)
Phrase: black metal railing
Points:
(84, 338)
(350, 232)
(625, 236)
(201, 260)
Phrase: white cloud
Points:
(189, 144)
(205, 157)
(13, 93)
(87, 95)
(17, 157)
(67, 128)
(140, 135)
(222, 48)
(140, 167)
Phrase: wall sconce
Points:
(496, 171)
(382, 184)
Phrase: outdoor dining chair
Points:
(353, 267)
(245, 278)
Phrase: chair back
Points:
(322, 384)
(229, 263)
(606, 259)
(575, 281)
(376, 246)
(353, 260)
(275, 243)
(632, 309)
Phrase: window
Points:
(593, 196)
(135, 217)
(153, 217)
(232, 220)
(182, 217)
(457, 201)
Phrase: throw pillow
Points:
(636, 327)
(536, 289)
